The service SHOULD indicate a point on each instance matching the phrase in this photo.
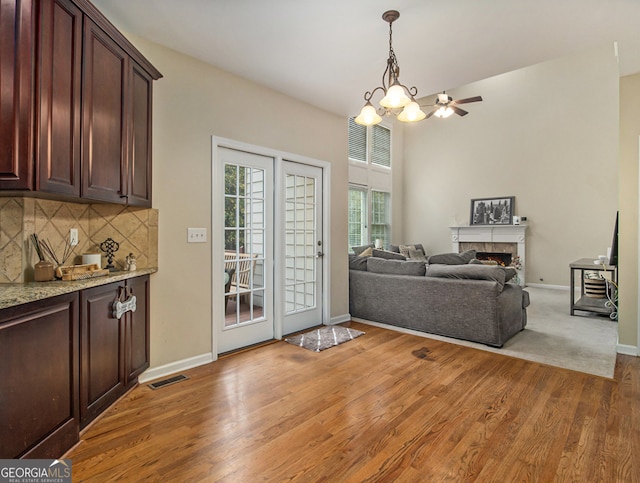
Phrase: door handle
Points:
(320, 255)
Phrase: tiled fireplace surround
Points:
(135, 229)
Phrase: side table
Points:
(584, 303)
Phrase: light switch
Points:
(196, 235)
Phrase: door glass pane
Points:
(300, 243)
(244, 244)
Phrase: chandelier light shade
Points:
(396, 95)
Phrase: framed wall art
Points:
(492, 211)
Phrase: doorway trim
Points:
(217, 232)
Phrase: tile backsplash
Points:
(134, 229)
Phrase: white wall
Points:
(628, 198)
(192, 102)
(546, 134)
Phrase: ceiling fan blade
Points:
(431, 113)
(468, 100)
(457, 110)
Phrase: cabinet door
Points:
(138, 330)
(16, 107)
(102, 363)
(140, 137)
(104, 115)
(58, 101)
(39, 378)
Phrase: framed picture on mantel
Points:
(492, 211)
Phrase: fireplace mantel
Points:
(492, 234)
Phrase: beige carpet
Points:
(552, 336)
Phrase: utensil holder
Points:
(43, 271)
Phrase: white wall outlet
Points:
(196, 235)
(73, 237)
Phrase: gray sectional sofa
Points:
(466, 301)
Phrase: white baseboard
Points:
(545, 285)
(338, 319)
(627, 350)
(174, 367)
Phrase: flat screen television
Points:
(613, 258)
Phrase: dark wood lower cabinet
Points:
(63, 361)
(39, 373)
(102, 351)
(137, 330)
(113, 351)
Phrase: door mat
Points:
(320, 339)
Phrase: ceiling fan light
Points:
(443, 112)
(412, 113)
(395, 97)
(368, 116)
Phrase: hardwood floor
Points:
(384, 407)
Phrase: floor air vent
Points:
(167, 382)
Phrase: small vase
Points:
(43, 271)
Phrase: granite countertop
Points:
(12, 294)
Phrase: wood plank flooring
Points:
(384, 407)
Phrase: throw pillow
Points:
(468, 272)
(357, 263)
(360, 249)
(388, 255)
(416, 254)
(367, 252)
(395, 267)
(453, 258)
(396, 248)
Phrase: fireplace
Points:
(502, 259)
(502, 243)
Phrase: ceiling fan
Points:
(445, 105)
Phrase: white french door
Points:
(303, 250)
(248, 248)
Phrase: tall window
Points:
(380, 219)
(370, 144)
(369, 206)
(357, 217)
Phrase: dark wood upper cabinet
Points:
(104, 117)
(75, 117)
(17, 41)
(139, 190)
(58, 98)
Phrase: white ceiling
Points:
(329, 52)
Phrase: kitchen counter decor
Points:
(80, 272)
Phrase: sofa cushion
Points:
(388, 255)
(453, 258)
(509, 272)
(395, 267)
(468, 272)
(360, 249)
(357, 263)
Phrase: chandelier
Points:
(398, 99)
